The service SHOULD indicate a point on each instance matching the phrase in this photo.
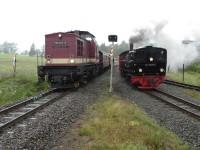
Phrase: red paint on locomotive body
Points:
(59, 47)
(147, 82)
(77, 47)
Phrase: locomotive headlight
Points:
(59, 35)
(151, 59)
(140, 70)
(162, 70)
(48, 61)
(72, 61)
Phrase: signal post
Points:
(112, 38)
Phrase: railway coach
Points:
(71, 58)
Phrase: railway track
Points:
(180, 103)
(188, 86)
(14, 114)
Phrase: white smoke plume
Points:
(178, 52)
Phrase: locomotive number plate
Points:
(60, 44)
(150, 65)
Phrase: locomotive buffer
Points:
(112, 38)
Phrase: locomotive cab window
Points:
(79, 48)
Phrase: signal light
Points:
(112, 38)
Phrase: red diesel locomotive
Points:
(71, 57)
(145, 67)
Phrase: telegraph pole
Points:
(112, 38)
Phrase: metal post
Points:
(41, 59)
(168, 68)
(112, 38)
(42, 55)
(14, 65)
(111, 71)
(183, 72)
(37, 59)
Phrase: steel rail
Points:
(29, 100)
(184, 85)
(183, 105)
(21, 105)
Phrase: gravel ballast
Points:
(43, 129)
(180, 92)
(47, 127)
(180, 123)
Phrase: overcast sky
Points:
(27, 21)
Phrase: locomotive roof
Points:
(147, 47)
(81, 33)
(123, 53)
(76, 32)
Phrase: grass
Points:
(189, 77)
(192, 74)
(26, 66)
(193, 93)
(115, 124)
(24, 84)
(194, 67)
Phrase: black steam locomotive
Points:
(145, 67)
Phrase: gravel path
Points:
(183, 125)
(43, 130)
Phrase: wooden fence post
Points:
(14, 65)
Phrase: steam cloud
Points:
(178, 52)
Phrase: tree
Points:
(1, 48)
(32, 51)
(8, 48)
(25, 52)
(119, 48)
(103, 47)
(42, 50)
(122, 47)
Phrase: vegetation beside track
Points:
(113, 123)
(24, 84)
(192, 74)
(189, 77)
(193, 93)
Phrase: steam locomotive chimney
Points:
(131, 46)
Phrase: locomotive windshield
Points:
(86, 37)
(138, 56)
